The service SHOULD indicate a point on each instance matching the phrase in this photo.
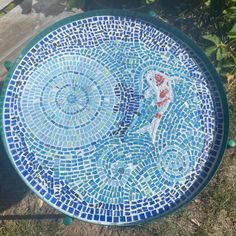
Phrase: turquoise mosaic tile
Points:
(112, 120)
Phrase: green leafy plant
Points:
(223, 52)
(230, 13)
(222, 44)
(232, 33)
(218, 16)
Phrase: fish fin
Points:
(148, 93)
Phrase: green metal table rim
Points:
(155, 22)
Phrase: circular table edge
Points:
(155, 22)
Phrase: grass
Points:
(213, 212)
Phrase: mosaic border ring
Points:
(113, 117)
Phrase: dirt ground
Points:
(213, 212)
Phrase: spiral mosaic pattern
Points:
(77, 100)
(112, 119)
(176, 163)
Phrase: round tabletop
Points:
(113, 117)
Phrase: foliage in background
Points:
(223, 52)
(222, 43)
(221, 48)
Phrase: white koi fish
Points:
(160, 86)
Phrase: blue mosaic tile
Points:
(113, 120)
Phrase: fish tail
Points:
(146, 128)
(150, 129)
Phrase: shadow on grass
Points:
(120, 4)
(55, 7)
(33, 217)
(48, 8)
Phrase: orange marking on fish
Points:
(158, 115)
(162, 103)
(159, 79)
(163, 93)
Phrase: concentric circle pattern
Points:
(113, 119)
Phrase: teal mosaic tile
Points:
(113, 120)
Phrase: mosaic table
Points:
(114, 118)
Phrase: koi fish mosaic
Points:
(160, 86)
(113, 119)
